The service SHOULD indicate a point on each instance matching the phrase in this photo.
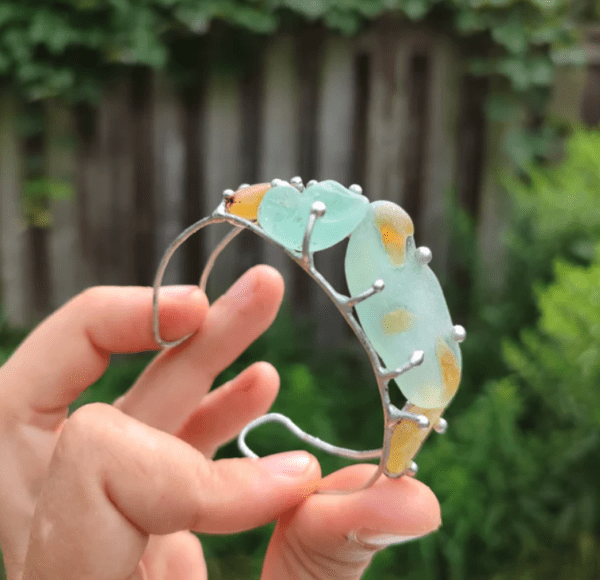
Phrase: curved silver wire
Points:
(345, 304)
(315, 442)
(303, 436)
(215, 254)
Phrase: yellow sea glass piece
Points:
(407, 438)
(244, 202)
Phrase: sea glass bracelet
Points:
(396, 309)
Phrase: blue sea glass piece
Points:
(410, 313)
(284, 211)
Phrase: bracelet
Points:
(396, 309)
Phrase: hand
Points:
(112, 491)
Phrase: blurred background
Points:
(122, 121)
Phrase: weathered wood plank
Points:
(335, 162)
(16, 289)
(308, 64)
(221, 159)
(494, 214)
(440, 155)
(169, 192)
(88, 173)
(64, 237)
(280, 138)
(140, 209)
(109, 190)
(247, 245)
(387, 116)
(119, 153)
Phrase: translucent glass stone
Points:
(284, 211)
(245, 202)
(410, 313)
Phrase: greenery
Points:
(69, 47)
(516, 473)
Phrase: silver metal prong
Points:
(416, 358)
(317, 210)
(412, 469)
(275, 182)
(356, 188)
(424, 255)
(228, 194)
(376, 287)
(459, 333)
(243, 185)
(312, 182)
(396, 414)
(440, 426)
(297, 183)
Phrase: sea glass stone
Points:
(244, 202)
(410, 313)
(284, 212)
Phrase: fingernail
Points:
(291, 464)
(376, 539)
(178, 291)
(243, 287)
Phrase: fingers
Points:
(178, 379)
(70, 350)
(224, 412)
(335, 536)
(176, 556)
(113, 481)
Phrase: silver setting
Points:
(296, 182)
(243, 185)
(416, 358)
(228, 194)
(375, 288)
(345, 304)
(303, 436)
(441, 426)
(402, 415)
(459, 333)
(424, 255)
(312, 182)
(356, 188)
(413, 469)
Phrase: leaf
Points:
(416, 9)
(511, 34)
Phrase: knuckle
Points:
(88, 296)
(205, 474)
(184, 545)
(314, 562)
(85, 427)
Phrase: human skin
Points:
(112, 492)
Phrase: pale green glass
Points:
(284, 211)
(413, 287)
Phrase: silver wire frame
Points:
(345, 304)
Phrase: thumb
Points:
(113, 481)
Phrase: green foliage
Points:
(565, 345)
(68, 47)
(516, 474)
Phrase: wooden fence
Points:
(392, 110)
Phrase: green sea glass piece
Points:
(410, 313)
(284, 211)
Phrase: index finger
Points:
(71, 349)
(336, 536)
